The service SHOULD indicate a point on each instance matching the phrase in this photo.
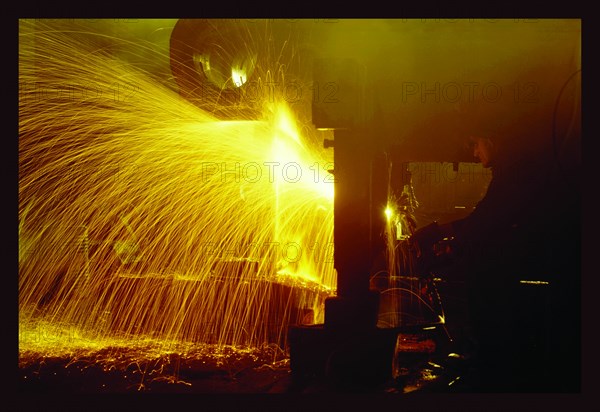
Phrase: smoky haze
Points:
(431, 82)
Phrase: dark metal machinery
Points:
(354, 346)
(349, 347)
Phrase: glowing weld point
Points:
(389, 213)
(238, 76)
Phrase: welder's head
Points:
(484, 137)
(500, 136)
(484, 149)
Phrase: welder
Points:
(503, 243)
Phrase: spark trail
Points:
(143, 216)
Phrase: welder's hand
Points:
(424, 238)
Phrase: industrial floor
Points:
(230, 371)
(250, 380)
(417, 367)
(244, 382)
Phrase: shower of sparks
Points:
(405, 297)
(143, 217)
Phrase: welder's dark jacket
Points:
(527, 227)
(499, 240)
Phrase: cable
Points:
(554, 133)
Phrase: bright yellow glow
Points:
(389, 213)
(141, 215)
(238, 76)
(295, 160)
(286, 124)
